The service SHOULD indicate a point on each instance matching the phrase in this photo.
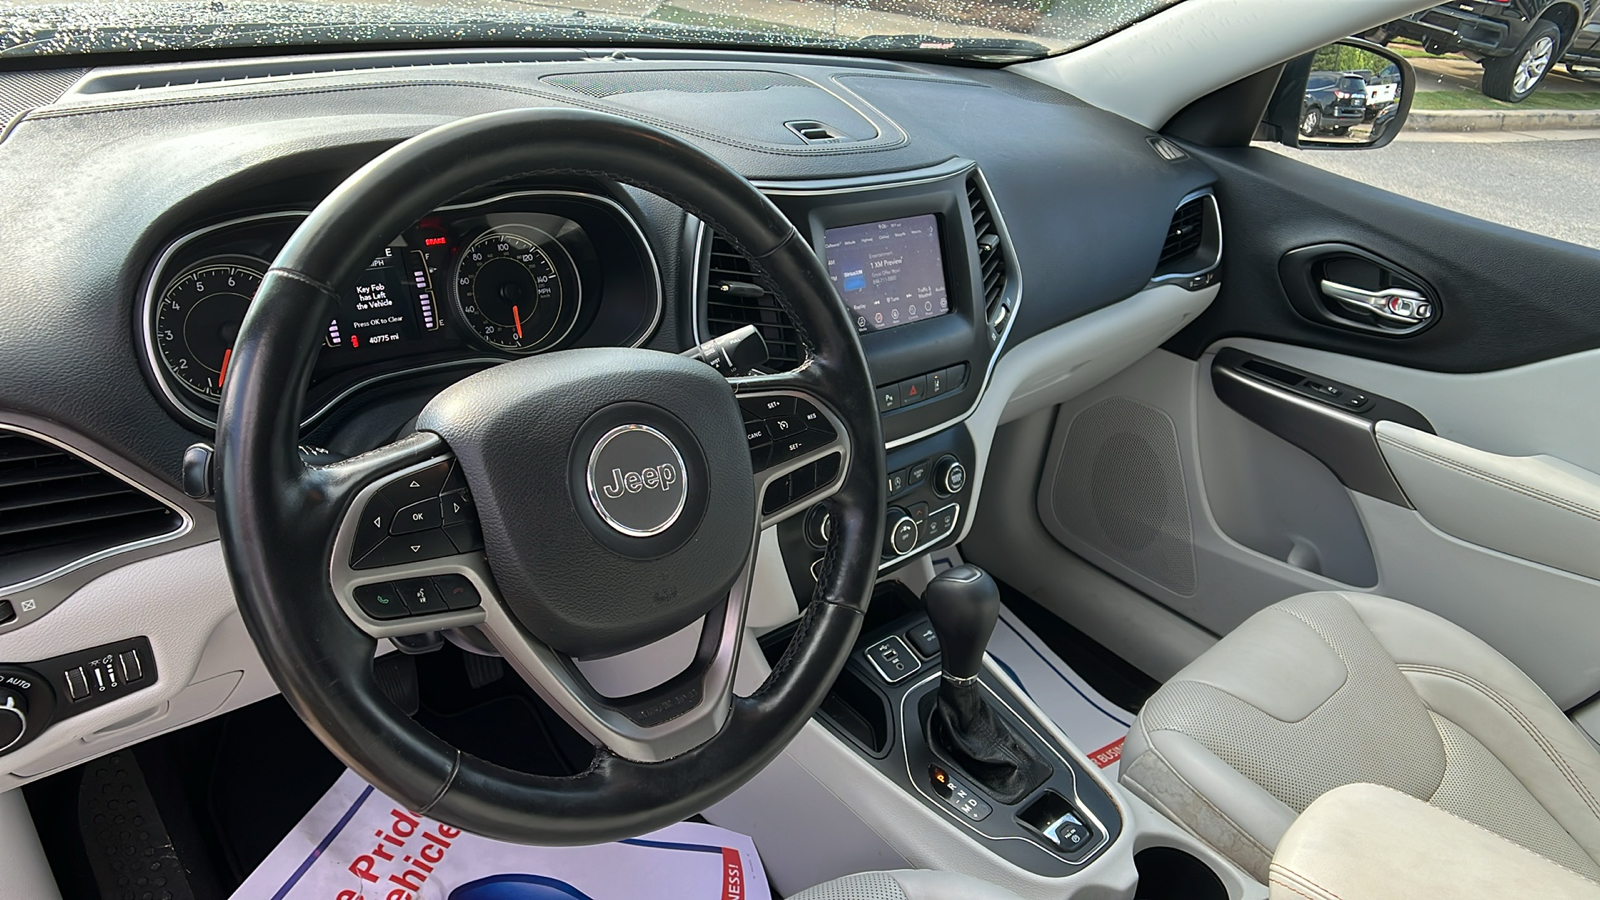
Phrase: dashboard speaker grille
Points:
(22, 91)
(736, 298)
(1185, 234)
(56, 508)
(1120, 489)
(991, 256)
(601, 85)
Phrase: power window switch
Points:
(132, 669)
(77, 683)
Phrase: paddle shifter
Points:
(963, 605)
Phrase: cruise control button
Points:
(420, 596)
(782, 427)
(767, 407)
(760, 457)
(456, 507)
(419, 516)
(404, 548)
(457, 591)
(795, 444)
(380, 601)
(372, 528)
(423, 485)
(755, 432)
(813, 418)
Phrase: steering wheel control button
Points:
(768, 407)
(797, 485)
(813, 418)
(455, 508)
(466, 536)
(637, 480)
(380, 601)
(424, 484)
(455, 481)
(950, 476)
(404, 548)
(420, 596)
(372, 527)
(457, 591)
(893, 659)
(899, 533)
(419, 516)
(756, 433)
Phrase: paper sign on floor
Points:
(357, 844)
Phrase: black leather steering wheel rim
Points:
(275, 512)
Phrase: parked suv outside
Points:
(1334, 101)
(1516, 41)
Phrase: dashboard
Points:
(998, 243)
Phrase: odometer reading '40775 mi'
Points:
(510, 291)
(198, 317)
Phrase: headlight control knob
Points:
(13, 718)
(899, 533)
(949, 475)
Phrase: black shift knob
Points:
(963, 605)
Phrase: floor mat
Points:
(1096, 725)
(357, 844)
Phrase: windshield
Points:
(983, 30)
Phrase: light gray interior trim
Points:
(1534, 507)
(27, 871)
(1151, 69)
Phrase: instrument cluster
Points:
(470, 285)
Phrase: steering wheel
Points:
(597, 499)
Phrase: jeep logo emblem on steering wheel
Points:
(637, 481)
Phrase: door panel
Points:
(1493, 435)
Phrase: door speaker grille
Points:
(1120, 489)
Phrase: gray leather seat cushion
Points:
(905, 884)
(1328, 689)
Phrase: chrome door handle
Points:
(1396, 305)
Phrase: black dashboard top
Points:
(103, 179)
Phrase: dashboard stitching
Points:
(829, 150)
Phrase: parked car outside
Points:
(1584, 53)
(1516, 41)
(1383, 88)
(1334, 101)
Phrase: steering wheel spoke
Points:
(685, 710)
(799, 448)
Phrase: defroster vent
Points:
(735, 298)
(991, 256)
(57, 508)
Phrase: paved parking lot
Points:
(1544, 182)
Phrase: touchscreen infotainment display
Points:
(889, 273)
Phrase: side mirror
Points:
(1349, 95)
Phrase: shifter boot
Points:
(966, 730)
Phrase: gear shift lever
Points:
(963, 605)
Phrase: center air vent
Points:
(735, 298)
(1193, 244)
(991, 256)
(57, 508)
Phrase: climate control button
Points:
(899, 533)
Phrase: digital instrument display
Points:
(379, 310)
(889, 273)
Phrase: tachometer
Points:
(198, 317)
(510, 291)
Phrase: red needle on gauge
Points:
(517, 318)
(224, 373)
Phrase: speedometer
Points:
(198, 318)
(511, 293)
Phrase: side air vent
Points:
(1193, 245)
(735, 298)
(991, 256)
(57, 508)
